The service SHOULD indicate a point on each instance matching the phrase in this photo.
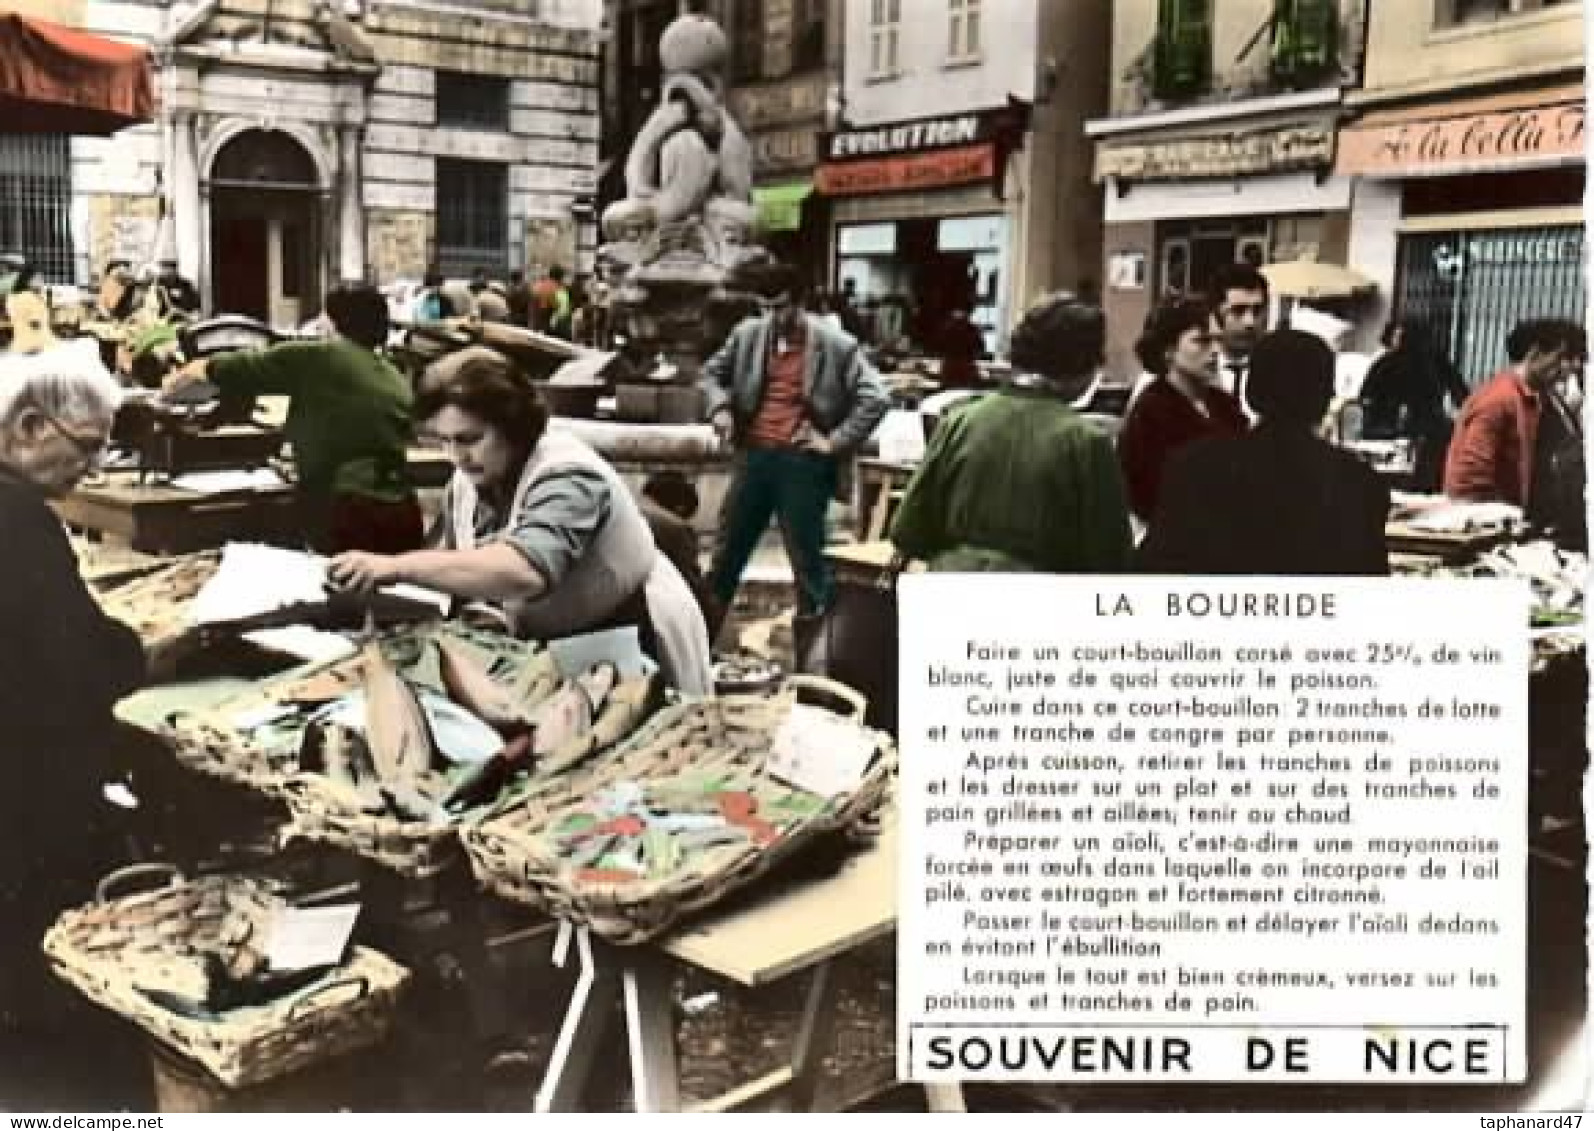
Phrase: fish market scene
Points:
(458, 458)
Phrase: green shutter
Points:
(1182, 66)
(1305, 42)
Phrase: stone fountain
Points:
(676, 246)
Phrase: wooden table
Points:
(156, 518)
(799, 929)
(876, 488)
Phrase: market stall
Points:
(556, 779)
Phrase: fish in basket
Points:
(392, 770)
(690, 809)
(254, 739)
(188, 962)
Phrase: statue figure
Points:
(689, 181)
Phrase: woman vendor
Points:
(538, 525)
(349, 424)
(63, 667)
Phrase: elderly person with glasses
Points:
(64, 666)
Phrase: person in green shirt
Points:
(348, 422)
(1016, 481)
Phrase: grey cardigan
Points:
(844, 396)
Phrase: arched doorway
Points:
(265, 229)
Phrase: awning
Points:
(59, 81)
(1517, 129)
(1304, 278)
(780, 207)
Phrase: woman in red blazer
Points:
(1184, 403)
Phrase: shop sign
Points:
(780, 151)
(939, 169)
(1282, 149)
(779, 104)
(1500, 138)
(927, 134)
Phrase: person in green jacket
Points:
(348, 422)
(1016, 481)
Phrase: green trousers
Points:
(795, 487)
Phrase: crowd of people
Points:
(549, 302)
(1220, 468)
(1222, 464)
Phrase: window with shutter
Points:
(963, 31)
(1305, 42)
(1182, 66)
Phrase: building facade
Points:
(956, 173)
(301, 143)
(1219, 146)
(1466, 143)
(785, 55)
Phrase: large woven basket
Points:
(326, 811)
(264, 759)
(152, 940)
(156, 605)
(521, 853)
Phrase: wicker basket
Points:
(325, 811)
(155, 606)
(520, 853)
(114, 949)
(210, 742)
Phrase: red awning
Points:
(57, 80)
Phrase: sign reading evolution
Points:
(1500, 138)
(1281, 149)
(905, 173)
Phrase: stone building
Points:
(956, 172)
(1467, 148)
(1219, 145)
(301, 142)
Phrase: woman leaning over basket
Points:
(538, 526)
(63, 666)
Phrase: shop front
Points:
(1183, 205)
(921, 226)
(783, 121)
(1486, 194)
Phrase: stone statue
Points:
(674, 247)
(688, 213)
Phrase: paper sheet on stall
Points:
(621, 647)
(303, 643)
(901, 437)
(255, 581)
(816, 751)
(301, 938)
(229, 482)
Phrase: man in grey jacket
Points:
(797, 398)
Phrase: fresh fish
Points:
(476, 691)
(564, 717)
(598, 682)
(396, 728)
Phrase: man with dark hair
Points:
(1239, 297)
(1016, 480)
(348, 421)
(1494, 450)
(796, 397)
(1277, 499)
